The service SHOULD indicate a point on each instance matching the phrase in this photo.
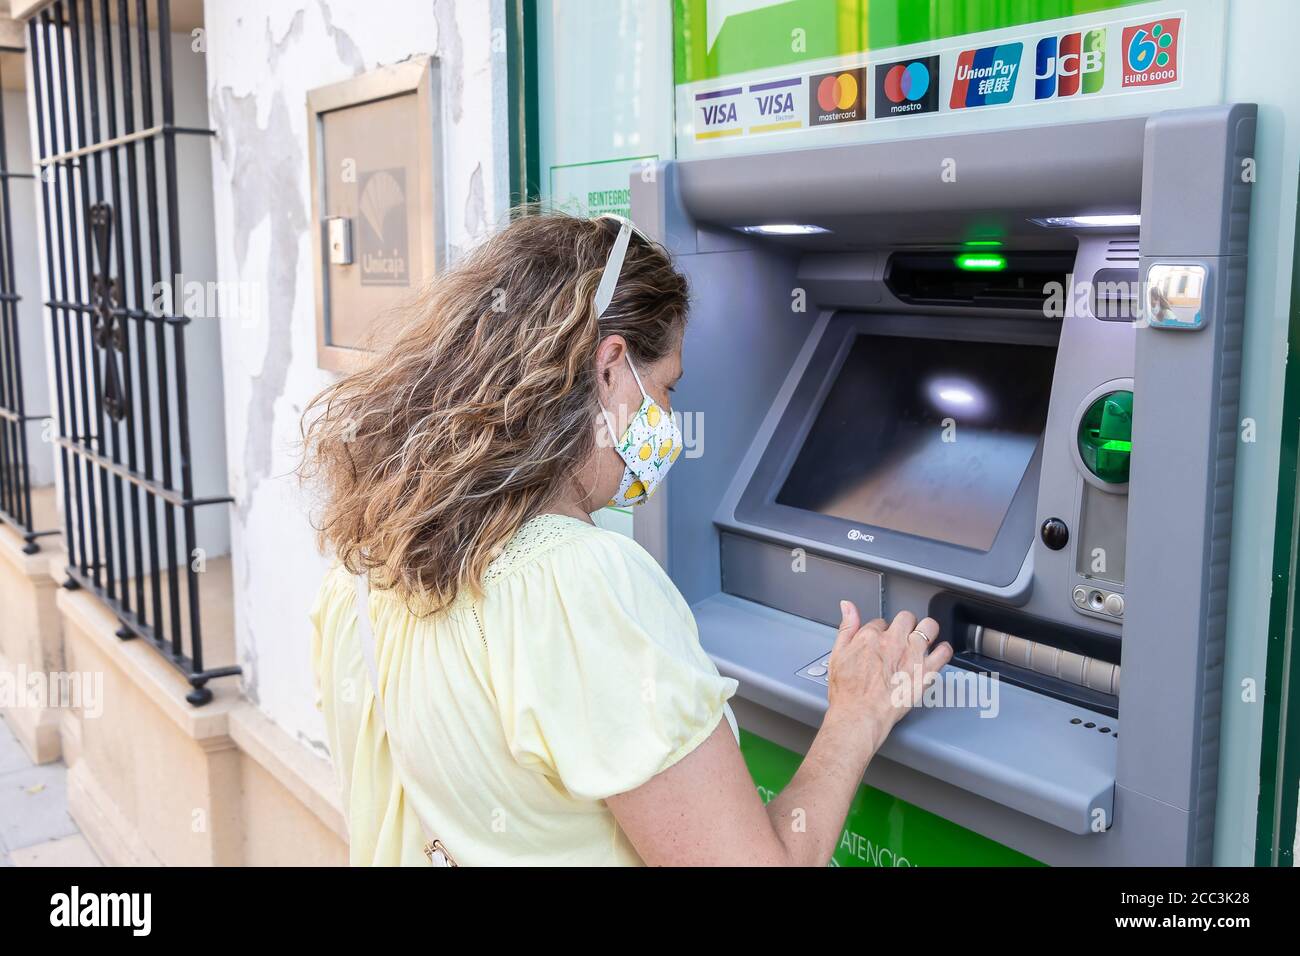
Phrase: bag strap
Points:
(433, 849)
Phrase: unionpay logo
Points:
(908, 86)
(987, 76)
(1151, 53)
(839, 97)
(1070, 64)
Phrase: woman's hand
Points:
(704, 809)
(878, 672)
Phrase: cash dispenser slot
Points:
(986, 279)
(1071, 664)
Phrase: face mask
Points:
(652, 441)
(648, 448)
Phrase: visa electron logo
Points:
(1151, 53)
(776, 104)
(987, 76)
(838, 97)
(1071, 64)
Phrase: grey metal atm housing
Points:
(1067, 775)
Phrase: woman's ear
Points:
(609, 355)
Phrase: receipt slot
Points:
(942, 430)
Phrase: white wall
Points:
(262, 60)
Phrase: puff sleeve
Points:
(597, 666)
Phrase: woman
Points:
(544, 698)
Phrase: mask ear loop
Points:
(609, 422)
(628, 356)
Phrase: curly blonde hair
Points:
(431, 457)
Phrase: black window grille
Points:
(18, 426)
(106, 142)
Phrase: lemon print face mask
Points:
(648, 448)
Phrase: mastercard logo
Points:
(837, 92)
(838, 97)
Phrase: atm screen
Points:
(928, 437)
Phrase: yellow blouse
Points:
(578, 675)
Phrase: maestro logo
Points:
(987, 76)
(908, 86)
(839, 97)
(1151, 53)
(1074, 63)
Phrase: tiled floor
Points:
(35, 829)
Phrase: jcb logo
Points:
(1064, 66)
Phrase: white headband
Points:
(614, 264)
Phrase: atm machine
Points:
(993, 378)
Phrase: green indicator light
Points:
(993, 243)
(981, 262)
(1106, 437)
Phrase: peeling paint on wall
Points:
(343, 45)
(264, 180)
(475, 209)
(453, 55)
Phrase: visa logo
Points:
(1073, 63)
(775, 104)
(715, 114)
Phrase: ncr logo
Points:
(839, 97)
(1151, 53)
(1073, 63)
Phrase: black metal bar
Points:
(136, 563)
(142, 406)
(9, 414)
(37, 40)
(178, 340)
(13, 466)
(114, 508)
(75, 285)
(61, 335)
(152, 487)
(160, 344)
(88, 189)
(115, 143)
(119, 311)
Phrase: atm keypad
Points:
(818, 671)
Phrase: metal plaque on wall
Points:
(376, 202)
